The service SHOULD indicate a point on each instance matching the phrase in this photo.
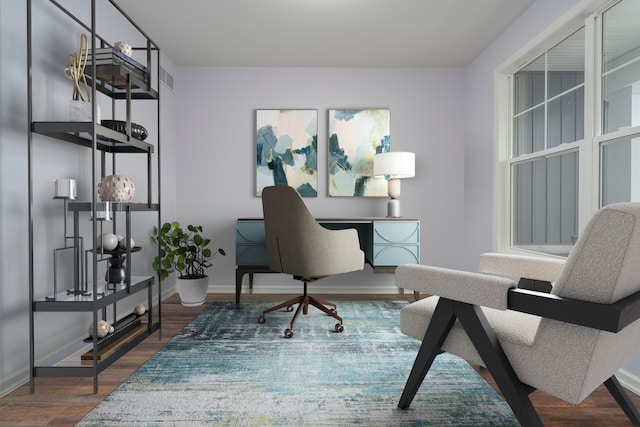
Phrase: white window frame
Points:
(586, 14)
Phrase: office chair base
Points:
(303, 302)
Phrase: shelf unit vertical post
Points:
(30, 201)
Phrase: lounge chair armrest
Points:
(471, 288)
(605, 317)
(530, 267)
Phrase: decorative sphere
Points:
(103, 329)
(123, 47)
(116, 188)
(122, 243)
(107, 241)
(139, 309)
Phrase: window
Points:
(572, 139)
(620, 169)
(620, 155)
(545, 202)
(548, 119)
(621, 66)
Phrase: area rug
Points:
(227, 369)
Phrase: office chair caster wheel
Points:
(261, 319)
(288, 333)
(339, 327)
(290, 308)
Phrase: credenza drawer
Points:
(253, 255)
(250, 232)
(251, 247)
(396, 243)
(394, 255)
(396, 232)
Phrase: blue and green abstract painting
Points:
(287, 150)
(355, 136)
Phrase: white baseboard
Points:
(629, 381)
(12, 382)
(324, 289)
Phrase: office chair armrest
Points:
(605, 317)
(530, 267)
(471, 288)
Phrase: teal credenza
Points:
(386, 242)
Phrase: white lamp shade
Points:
(394, 164)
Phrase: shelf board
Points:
(119, 327)
(80, 133)
(116, 343)
(69, 363)
(62, 301)
(115, 207)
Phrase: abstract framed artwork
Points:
(287, 150)
(355, 136)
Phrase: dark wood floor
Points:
(64, 401)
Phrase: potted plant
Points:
(188, 253)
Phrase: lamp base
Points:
(393, 208)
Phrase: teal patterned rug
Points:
(226, 369)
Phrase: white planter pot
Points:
(193, 291)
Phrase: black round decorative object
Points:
(137, 131)
(116, 273)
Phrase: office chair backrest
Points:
(570, 361)
(284, 213)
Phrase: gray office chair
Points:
(298, 245)
(566, 343)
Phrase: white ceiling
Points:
(323, 33)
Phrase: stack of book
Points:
(112, 66)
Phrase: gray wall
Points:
(14, 302)
(216, 157)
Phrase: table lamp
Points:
(393, 166)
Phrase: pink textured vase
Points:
(116, 188)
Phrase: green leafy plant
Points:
(185, 251)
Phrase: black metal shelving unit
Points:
(117, 81)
